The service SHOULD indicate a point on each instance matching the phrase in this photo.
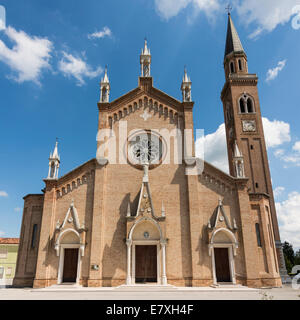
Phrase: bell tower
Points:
(247, 152)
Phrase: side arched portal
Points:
(68, 247)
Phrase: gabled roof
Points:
(139, 91)
(233, 42)
(9, 240)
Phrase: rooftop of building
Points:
(9, 240)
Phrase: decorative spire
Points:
(105, 78)
(55, 155)
(186, 87)
(185, 77)
(145, 61)
(238, 161)
(237, 152)
(104, 88)
(146, 51)
(233, 42)
(54, 161)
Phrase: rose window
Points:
(145, 148)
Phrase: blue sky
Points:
(52, 56)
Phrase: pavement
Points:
(70, 292)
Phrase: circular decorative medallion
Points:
(145, 148)
(146, 235)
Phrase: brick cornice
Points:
(188, 105)
(50, 184)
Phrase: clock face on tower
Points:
(145, 148)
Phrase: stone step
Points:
(145, 287)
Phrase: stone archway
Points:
(145, 238)
(222, 249)
(69, 248)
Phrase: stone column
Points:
(163, 276)
(128, 278)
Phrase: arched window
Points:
(246, 104)
(33, 236)
(52, 170)
(249, 105)
(242, 106)
(240, 65)
(232, 67)
(258, 237)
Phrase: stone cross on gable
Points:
(146, 115)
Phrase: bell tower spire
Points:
(145, 61)
(235, 58)
(104, 88)
(54, 161)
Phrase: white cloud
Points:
(278, 153)
(18, 209)
(215, 148)
(273, 73)
(289, 219)
(276, 132)
(105, 32)
(29, 56)
(170, 8)
(292, 159)
(278, 191)
(2, 18)
(3, 194)
(296, 146)
(266, 14)
(2, 233)
(76, 67)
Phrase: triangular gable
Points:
(139, 92)
(219, 216)
(71, 217)
(145, 205)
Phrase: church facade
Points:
(140, 217)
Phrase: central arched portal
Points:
(146, 257)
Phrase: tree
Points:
(297, 258)
(289, 256)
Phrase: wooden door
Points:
(70, 265)
(145, 264)
(222, 265)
